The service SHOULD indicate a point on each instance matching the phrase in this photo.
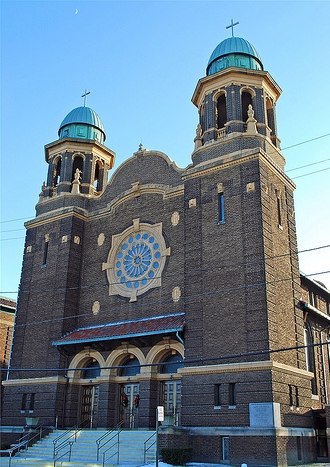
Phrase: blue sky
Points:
(141, 61)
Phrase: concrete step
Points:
(84, 449)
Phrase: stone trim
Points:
(239, 431)
(42, 380)
(236, 158)
(245, 367)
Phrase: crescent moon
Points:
(76, 12)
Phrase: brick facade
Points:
(242, 388)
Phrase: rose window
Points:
(136, 260)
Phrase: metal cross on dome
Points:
(85, 95)
(232, 27)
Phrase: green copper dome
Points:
(234, 51)
(82, 123)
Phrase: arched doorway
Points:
(89, 395)
(129, 394)
(171, 389)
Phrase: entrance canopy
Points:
(125, 329)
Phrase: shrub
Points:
(179, 456)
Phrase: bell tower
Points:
(78, 161)
(236, 102)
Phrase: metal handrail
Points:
(66, 442)
(146, 449)
(108, 449)
(104, 436)
(23, 442)
(15, 447)
(69, 443)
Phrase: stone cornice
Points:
(165, 191)
(29, 381)
(245, 367)
(236, 158)
(238, 76)
(78, 145)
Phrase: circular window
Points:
(136, 260)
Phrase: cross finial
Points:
(232, 27)
(84, 96)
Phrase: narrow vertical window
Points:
(217, 394)
(221, 208)
(291, 395)
(279, 209)
(225, 448)
(98, 176)
(246, 101)
(31, 404)
(310, 356)
(232, 393)
(78, 163)
(57, 172)
(221, 111)
(24, 399)
(45, 252)
(299, 448)
(296, 396)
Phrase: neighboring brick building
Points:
(175, 287)
(7, 319)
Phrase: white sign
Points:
(160, 413)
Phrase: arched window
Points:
(270, 115)
(78, 163)
(246, 100)
(131, 367)
(221, 111)
(98, 176)
(57, 171)
(171, 363)
(92, 370)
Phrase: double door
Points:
(89, 406)
(172, 402)
(129, 405)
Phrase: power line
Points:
(200, 360)
(311, 173)
(304, 142)
(188, 299)
(307, 165)
(221, 265)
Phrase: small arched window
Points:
(98, 176)
(57, 171)
(91, 371)
(171, 363)
(246, 100)
(131, 367)
(221, 111)
(78, 163)
(270, 115)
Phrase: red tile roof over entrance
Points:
(134, 328)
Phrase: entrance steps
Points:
(84, 450)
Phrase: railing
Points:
(104, 440)
(66, 443)
(24, 442)
(221, 133)
(146, 449)
(62, 446)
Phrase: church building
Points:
(176, 287)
